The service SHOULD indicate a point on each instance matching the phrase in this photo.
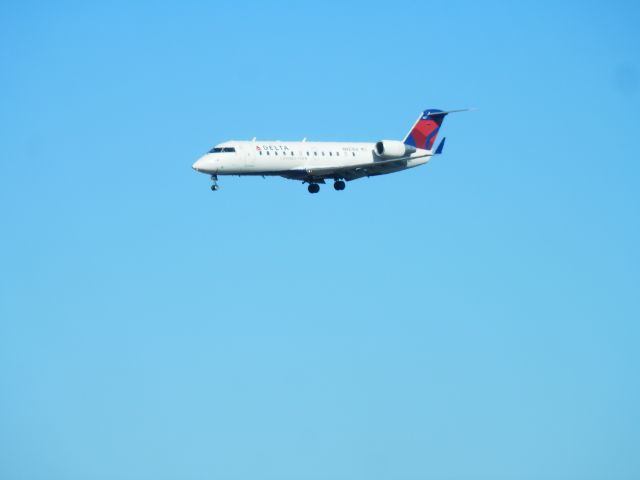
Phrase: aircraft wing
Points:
(351, 172)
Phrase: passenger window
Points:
(337, 154)
(354, 154)
(275, 153)
(330, 154)
(315, 153)
(268, 153)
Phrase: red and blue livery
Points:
(424, 132)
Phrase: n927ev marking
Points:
(314, 163)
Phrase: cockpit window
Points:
(222, 149)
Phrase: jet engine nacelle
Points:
(393, 149)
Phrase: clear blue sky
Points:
(477, 318)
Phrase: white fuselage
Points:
(316, 162)
(280, 158)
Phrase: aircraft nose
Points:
(203, 164)
(197, 164)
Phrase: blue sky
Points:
(474, 318)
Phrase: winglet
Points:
(440, 147)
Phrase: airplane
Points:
(314, 163)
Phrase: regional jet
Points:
(314, 163)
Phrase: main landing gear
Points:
(315, 188)
(214, 187)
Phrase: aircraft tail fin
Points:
(424, 132)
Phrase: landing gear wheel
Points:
(214, 187)
(313, 188)
(339, 185)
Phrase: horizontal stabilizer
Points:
(440, 147)
(452, 111)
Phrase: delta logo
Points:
(271, 147)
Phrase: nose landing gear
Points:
(214, 187)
